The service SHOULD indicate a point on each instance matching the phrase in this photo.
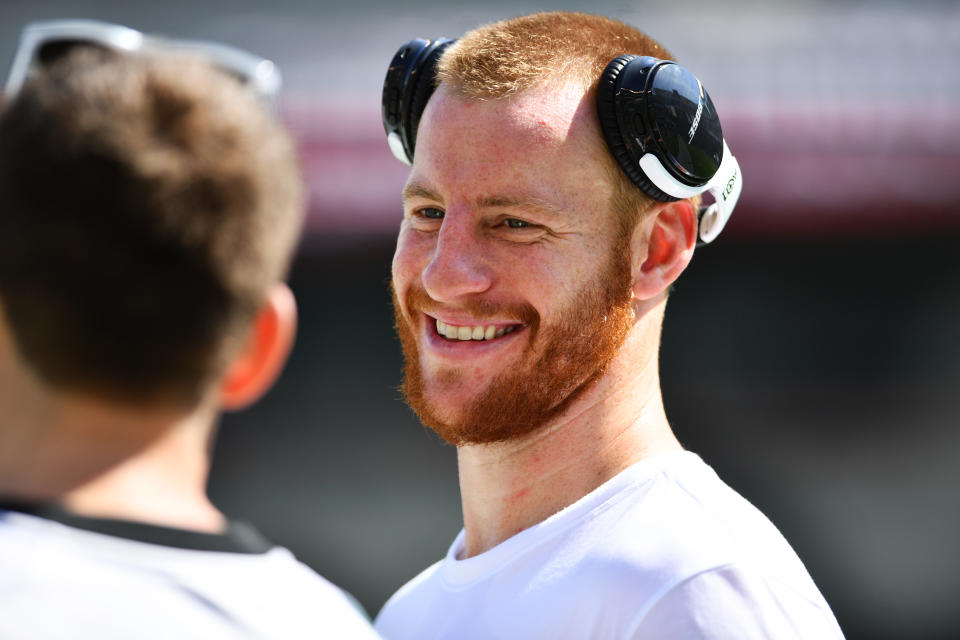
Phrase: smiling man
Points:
(530, 279)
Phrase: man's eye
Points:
(513, 223)
(431, 212)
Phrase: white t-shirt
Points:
(663, 550)
(61, 581)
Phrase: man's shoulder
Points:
(684, 536)
(681, 521)
(413, 592)
(737, 600)
(56, 577)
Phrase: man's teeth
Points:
(452, 332)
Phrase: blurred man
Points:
(148, 210)
(543, 226)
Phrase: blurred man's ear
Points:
(663, 249)
(259, 362)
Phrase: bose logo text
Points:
(696, 121)
(727, 190)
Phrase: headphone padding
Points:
(606, 110)
(425, 85)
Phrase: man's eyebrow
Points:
(418, 190)
(508, 202)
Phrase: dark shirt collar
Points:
(239, 537)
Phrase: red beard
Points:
(559, 364)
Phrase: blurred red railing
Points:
(809, 168)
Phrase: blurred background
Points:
(811, 356)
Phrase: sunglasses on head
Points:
(43, 43)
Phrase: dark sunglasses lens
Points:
(51, 52)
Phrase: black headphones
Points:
(656, 118)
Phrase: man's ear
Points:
(663, 248)
(258, 363)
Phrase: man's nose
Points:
(459, 266)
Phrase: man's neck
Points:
(99, 460)
(619, 421)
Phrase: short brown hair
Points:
(504, 58)
(146, 205)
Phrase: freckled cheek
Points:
(553, 282)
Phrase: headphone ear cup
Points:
(425, 83)
(612, 133)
